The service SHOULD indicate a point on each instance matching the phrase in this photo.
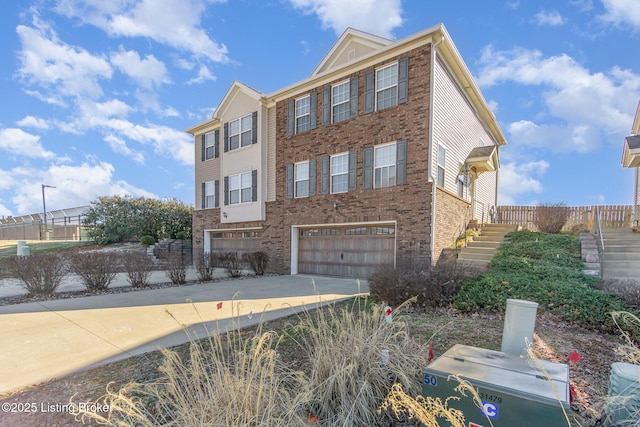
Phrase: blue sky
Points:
(97, 94)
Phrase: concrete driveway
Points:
(46, 340)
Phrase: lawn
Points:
(9, 248)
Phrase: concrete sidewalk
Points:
(51, 339)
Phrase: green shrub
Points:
(544, 268)
(258, 261)
(147, 240)
(181, 235)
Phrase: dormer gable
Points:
(237, 91)
(352, 45)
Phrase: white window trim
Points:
(295, 107)
(240, 188)
(295, 181)
(379, 167)
(209, 143)
(331, 174)
(346, 101)
(240, 132)
(378, 90)
(210, 191)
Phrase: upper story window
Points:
(302, 179)
(387, 87)
(210, 145)
(340, 173)
(240, 188)
(340, 102)
(240, 132)
(385, 166)
(442, 161)
(210, 194)
(303, 114)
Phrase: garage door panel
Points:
(351, 255)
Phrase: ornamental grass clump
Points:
(225, 380)
(350, 373)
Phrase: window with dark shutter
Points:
(313, 110)
(226, 137)
(291, 117)
(216, 189)
(203, 145)
(226, 190)
(326, 106)
(254, 185)
(204, 195)
(369, 92)
(254, 127)
(353, 93)
(403, 80)
(312, 177)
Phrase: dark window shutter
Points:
(313, 110)
(226, 190)
(289, 181)
(254, 185)
(226, 137)
(312, 177)
(367, 168)
(204, 196)
(216, 144)
(353, 161)
(216, 189)
(291, 117)
(326, 106)
(325, 176)
(203, 156)
(254, 127)
(353, 96)
(401, 162)
(403, 80)
(369, 92)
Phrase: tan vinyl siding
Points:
(271, 154)
(206, 171)
(457, 127)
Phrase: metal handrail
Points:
(600, 242)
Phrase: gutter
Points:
(430, 162)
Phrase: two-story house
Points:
(381, 157)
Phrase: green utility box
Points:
(514, 391)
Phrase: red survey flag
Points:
(431, 355)
(219, 305)
(575, 357)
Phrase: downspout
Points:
(430, 162)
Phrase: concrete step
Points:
(613, 248)
(471, 263)
(592, 272)
(620, 273)
(499, 227)
(607, 263)
(623, 256)
(475, 257)
(472, 249)
(490, 238)
(483, 244)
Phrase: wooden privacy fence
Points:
(580, 217)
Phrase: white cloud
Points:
(33, 122)
(517, 179)
(582, 108)
(379, 17)
(172, 22)
(622, 12)
(58, 68)
(118, 145)
(20, 143)
(75, 186)
(551, 18)
(204, 74)
(110, 119)
(147, 72)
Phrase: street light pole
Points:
(44, 208)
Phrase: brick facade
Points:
(452, 215)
